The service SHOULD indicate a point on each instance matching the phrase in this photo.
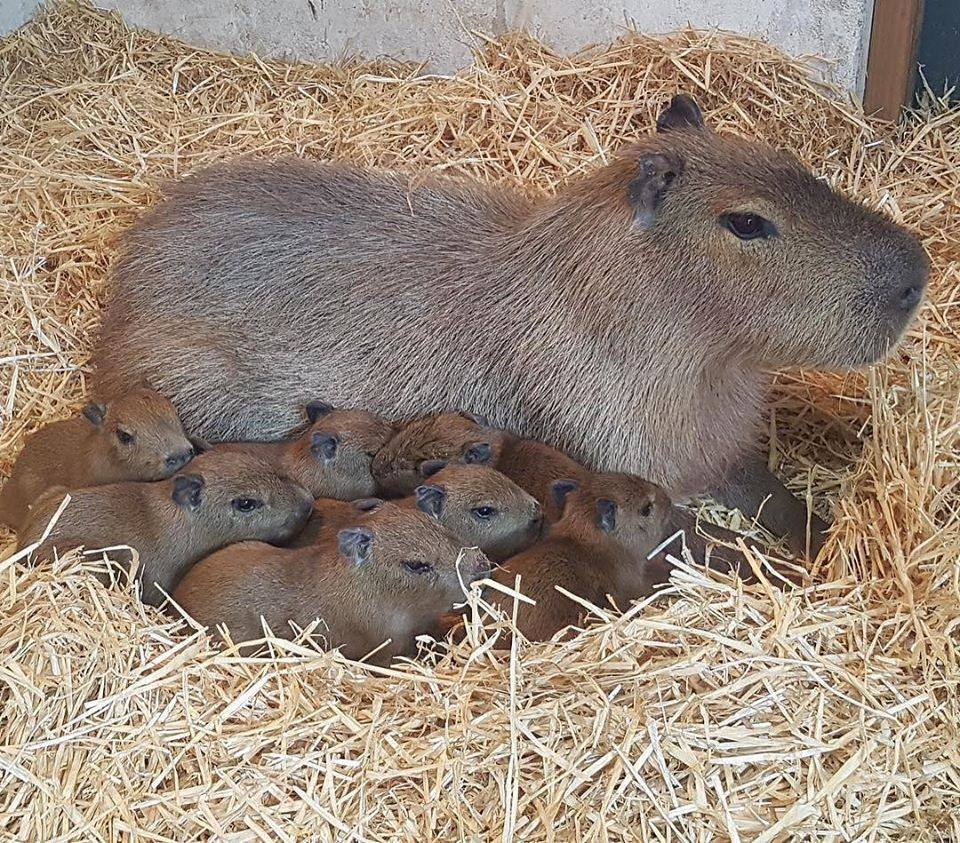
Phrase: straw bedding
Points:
(723, 712)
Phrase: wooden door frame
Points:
(892, 56)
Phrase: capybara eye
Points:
(484, 513)
(124, 437)
(748, 226)
(246, 504)
(646, 509)
(417, 567)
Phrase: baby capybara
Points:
(386, 579)
(631, 320)
(480, 506)
(332, 458)
(463, 438)
(598, 549)
(135, 437)
(222, 498)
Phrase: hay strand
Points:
(720, 712)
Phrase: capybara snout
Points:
(832, 283)
(143, 431)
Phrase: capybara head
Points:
(762, 251)
(235, 496)
(405, 555)
(480, 506)
(333, 458)
(618, 509)
(452, 437)
(142, 432)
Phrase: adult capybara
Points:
(332, 458)
(631, 320)
(466, 439)
(222, 498)
(137, 436)
(598, 549)
(388, 578)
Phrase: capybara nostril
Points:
(909, 297)
(178, 460)
(536, 516)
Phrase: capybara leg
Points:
(700, 538)
(753, 489)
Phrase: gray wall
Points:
(437, 30)
(14, 13)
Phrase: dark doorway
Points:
(938, 52)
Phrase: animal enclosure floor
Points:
(723, 712)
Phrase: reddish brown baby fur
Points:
(332, 458)
(390, 576)
(173, 523)
(480, 506)
(461, 438)
(597, 549)
(135, 437)
(329, 516)
(631, 320)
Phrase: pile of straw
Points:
(723, 712)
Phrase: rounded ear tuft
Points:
(606, 515)
(657, 171)
(477, 419)
(430, 467)
(682, 113)
(560, 489)
(188, 490)
(324, 446)
(355, 544)
(317, 410)
(479, 453)
(95, 412)
(430, 499)
(367, 504)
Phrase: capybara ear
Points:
(476, 419)
(324, 446)
(560, 489)
(188, 490)
(682, 113)
(430, 467)
(317, 410)
(355, 544)
(479, 453)
(430, 499)
(95, 412)
(199, 445)
(367, 504)
(648, 189)
(606, 515)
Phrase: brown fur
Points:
(587, 560)
(362, 602)
(452, 496)
(457, 495)
(85, 450)
(620, 320)
(452, 437)
(327, 518)
(170, 535)
(344, 475)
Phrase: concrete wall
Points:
(438, 30)
(14, 13)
